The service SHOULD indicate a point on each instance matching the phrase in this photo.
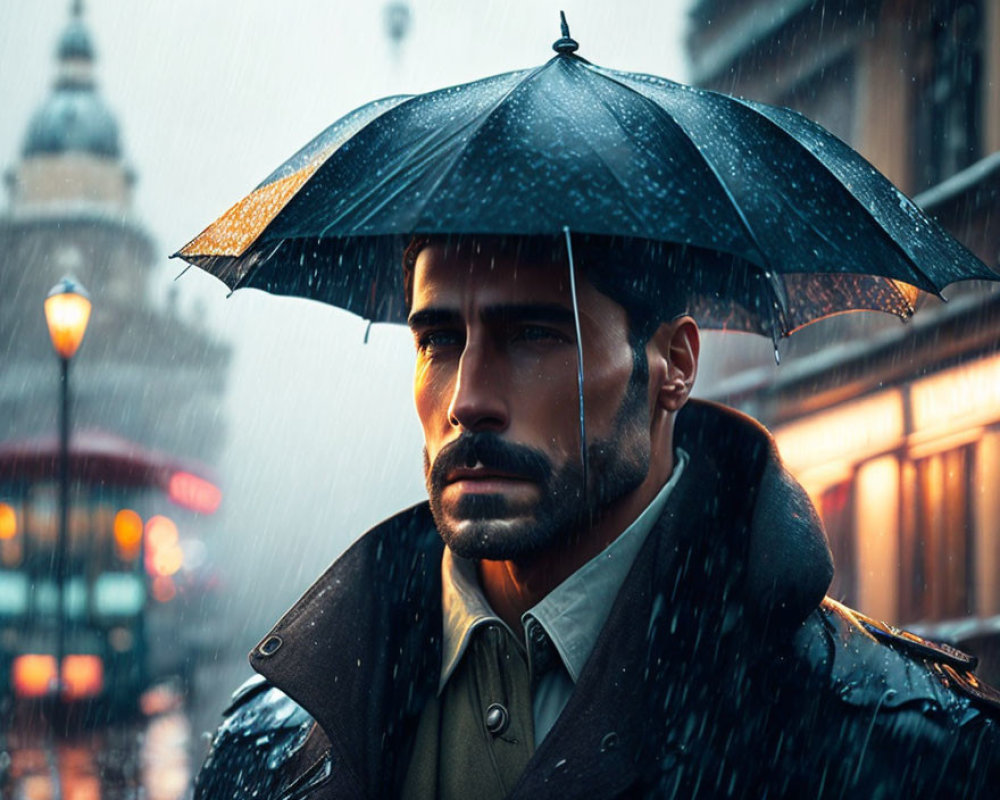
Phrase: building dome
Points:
(74, 118)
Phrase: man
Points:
(646, 619)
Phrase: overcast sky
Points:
(211, 96)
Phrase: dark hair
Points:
(640, 275)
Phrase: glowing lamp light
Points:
(33, 675)
(67, 312)
(195, 493)
(128, 532)
(82, 676)
(168, 560)
(8, 522)
(161, 532)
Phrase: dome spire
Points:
(75, 44)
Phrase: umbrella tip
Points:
(565, 44)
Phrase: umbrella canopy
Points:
(772, 221)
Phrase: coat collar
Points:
(738, 549)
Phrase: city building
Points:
(893, 429)
(147, 393)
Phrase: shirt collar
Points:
(572, 614)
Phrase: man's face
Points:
(496, 392)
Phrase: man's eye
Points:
(436, 340)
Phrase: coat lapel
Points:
(361, 650)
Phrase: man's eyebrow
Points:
(519, 312)
(429, 317)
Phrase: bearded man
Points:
(643, 616)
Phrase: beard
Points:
(489, 526)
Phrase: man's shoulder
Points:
(266, 746)
(881, 707)
(870, 665)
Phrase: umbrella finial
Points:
(565, 44)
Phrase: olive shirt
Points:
(476, 736)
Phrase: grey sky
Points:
(211, 96)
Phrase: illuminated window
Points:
(937, 552)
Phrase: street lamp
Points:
(67, 311)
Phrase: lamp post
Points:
(67, 311)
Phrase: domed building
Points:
(142, 372)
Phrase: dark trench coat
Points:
(722, 670)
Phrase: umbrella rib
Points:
(476, 128)
(769, 272)
(892, 239)
(475, 124)
(600, 156)
(664, 114)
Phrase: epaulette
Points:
(952, 667)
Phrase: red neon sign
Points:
(194, 493)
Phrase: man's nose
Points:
(478, 402)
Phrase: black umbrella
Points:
(773, 220)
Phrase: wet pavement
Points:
(150, 758)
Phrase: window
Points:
(937, 580)
(948, 100)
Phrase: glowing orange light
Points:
(82, 676)
(128, 532)
(8, 521)
(67, 311)
(193, 492)
(160, 532)
(163, 589)
(33, 675)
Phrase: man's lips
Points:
(482, 477)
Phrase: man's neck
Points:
(513, 587)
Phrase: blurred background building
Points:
(894, 430)
(147, 389)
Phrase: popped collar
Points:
(572, 614)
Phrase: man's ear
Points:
(675, 345)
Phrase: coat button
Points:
(269, 646)
(497, 719)
(609, 742)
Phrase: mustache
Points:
(493, 453)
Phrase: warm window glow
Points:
(67, 312)
(958, 398)
(849, 433)
(33, 675)
(193, 492)
(877, 537)
(83, 676)
(128, 533)
(8, 521)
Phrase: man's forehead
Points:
(487, 275)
